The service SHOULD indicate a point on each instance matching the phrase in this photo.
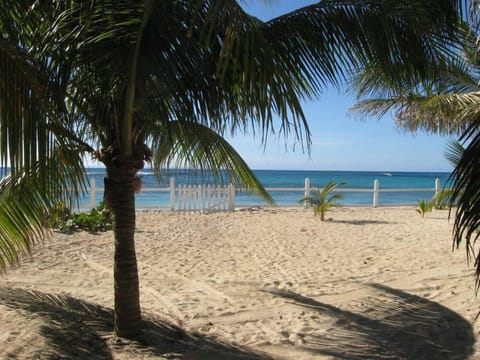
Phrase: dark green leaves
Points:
(196, 146)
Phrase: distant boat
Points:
(387, 174)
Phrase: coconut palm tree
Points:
(447, 103)
(130, 82)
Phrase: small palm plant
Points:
(323, 199)
(424, 207)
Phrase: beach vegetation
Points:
(58, 215)
(324, 198)
(424, 207)
(443, 200)
(62, 219)
(154, 82)
(440, 201)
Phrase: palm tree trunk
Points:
(119, 187)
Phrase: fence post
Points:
(437, 186)
(172, 193)
(181, 197)
(92, 193)
(203, 197)
(231, 197)
(376, 187)
(307, 191)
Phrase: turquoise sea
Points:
(409, 182)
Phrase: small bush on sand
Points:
(97, 219)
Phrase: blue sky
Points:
(340, 141)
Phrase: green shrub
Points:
(58, 215)
(62, 219)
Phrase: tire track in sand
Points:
(171, 311)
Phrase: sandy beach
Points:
(260, 283)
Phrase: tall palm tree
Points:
(447, 103)
(135, 81)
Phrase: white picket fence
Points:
(204, 198)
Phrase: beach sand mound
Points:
(275, 283)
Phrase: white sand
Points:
(272, 283)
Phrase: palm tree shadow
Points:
(76, 329)
(361, 222)
(398, 326)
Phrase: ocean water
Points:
(415, 186)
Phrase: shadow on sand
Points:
(396, 325)
(360, 222)
(76, 329)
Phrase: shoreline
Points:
(269, 282)
(288, 187)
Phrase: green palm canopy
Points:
(446, 102)
(133, 81)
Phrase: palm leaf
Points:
(323, 199)
(197, 146)
(252, 71)
(445, 102)
(37, 146)
(454, 152)
(25, 201)
(466, 191)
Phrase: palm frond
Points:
(445, 101)
(20, 225)
(212, 61)
(454, 152)
(27, 197)
(348, 32)
(466, 190)
(39, 150)
(197, 146)
(444, 113)
(330, 39)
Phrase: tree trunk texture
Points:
(120, 196)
